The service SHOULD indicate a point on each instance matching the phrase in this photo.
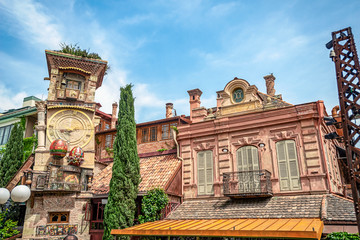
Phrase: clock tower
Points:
(65, 155)
(70, 107)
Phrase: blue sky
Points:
(165, 48)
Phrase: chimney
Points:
(169, 110)
(113, 115)
(270, 83)
(194, 100)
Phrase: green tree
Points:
(7, 226)
(152, 204)
(120, 210)
(13, 157)
(342, 236)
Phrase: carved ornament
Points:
(283, 135)
(246, 141)
(204, 146)
(40, 106)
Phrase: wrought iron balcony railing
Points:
(255, 183)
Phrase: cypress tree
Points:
(13, 157)
(120, 209)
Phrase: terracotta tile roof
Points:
(339, 209)
(155, 171)
(303, 206)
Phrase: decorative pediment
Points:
(204, 146)
(239, 96)
(246, 141)
(283, 135)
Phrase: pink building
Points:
(257, 166)
(250, 132)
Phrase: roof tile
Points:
(155, 172)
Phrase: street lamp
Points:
(20, 193)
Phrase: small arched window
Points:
(247, 158)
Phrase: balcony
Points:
(255, 183)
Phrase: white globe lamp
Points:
(4, 195)
(20, 193)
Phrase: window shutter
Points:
(240, 160)
(205, 173)
(255, 157)
(283, 173)
(201, 173)
(248, 158)
(288, 165)
(209, 172)
(293, 165)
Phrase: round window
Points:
(238, 95)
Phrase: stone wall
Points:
(37, 222)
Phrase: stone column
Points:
(41, 125)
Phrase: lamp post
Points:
(20, 193)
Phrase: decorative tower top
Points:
(73, 78)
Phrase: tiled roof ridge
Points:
(341, 197)
(324, 204)
(59, 53)
(303, 206)
(103, 113)
(155, 172)
(22, 110)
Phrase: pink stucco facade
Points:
(261, 121)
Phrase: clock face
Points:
(73, 126)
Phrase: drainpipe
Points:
(182, 161)
(321, 115)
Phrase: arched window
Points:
(247, 158)
(248, 165)
(205, 172)
(289, 176)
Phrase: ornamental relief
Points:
(58, 202)
(73, 126)
(246, 141)
(203, 146)
(283, 135)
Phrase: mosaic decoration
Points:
(58, 148)
(56, 230)
(76, 156)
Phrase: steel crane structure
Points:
(348, 80)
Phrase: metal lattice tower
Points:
(347, 74)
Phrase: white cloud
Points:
(9, 100)
(31, 23)
(222, 9)
(109, 92)
(137, 19)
